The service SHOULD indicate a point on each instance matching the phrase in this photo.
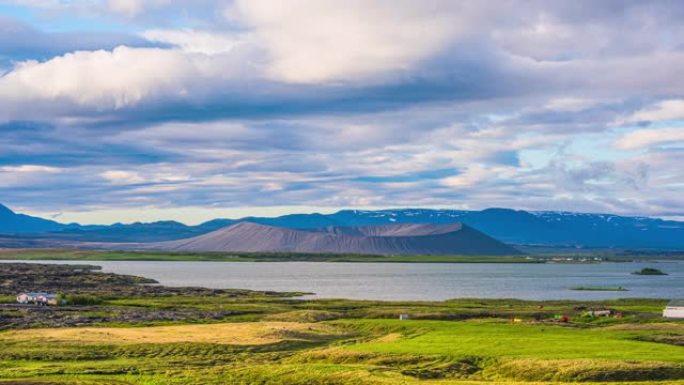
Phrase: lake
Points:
(412, 281)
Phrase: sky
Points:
(126, 110)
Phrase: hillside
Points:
(453, 239)
(13, 223)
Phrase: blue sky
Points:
(124, 110)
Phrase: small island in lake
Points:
(599, 288)
(649, 271)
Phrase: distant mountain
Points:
(134, 232)
(549, 228)
(413, 239)
(12, 223)
(542, 228)
(301, 221)
(216, 224)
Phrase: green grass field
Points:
(289, 341)
(496, 339)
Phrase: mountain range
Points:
(518, 227)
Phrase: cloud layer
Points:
(467, 104)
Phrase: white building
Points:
(37, 298)
(674, 309)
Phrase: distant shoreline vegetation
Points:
(648, 271)
(103, 255)
(29, 254)
(598, 288)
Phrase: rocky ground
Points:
(22, 316)
(88, 280)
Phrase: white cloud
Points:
(312, 41)
(665, 110)
(28, 175)
(650, 137)
(120, 177)
(476, 174)
(30, 168)
(157, 174)
(133, 8)
(100, 79)
(128, 8)
(95, 81)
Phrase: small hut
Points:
(674, 309)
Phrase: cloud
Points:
(651, 137)
(122, 177)
(312, 41)
(348, 56)
(661, 111)
(26, 175)
(571, 104)
(476, 174)
(581, 30)
(30, 168)
(129, 8)
(103, 80)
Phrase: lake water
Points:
(413, 281)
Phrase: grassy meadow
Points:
(272, 340)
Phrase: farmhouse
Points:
(38, 298)
(674, 309)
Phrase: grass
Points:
(496, 339)
(287, 341)
(288, 309)
(253, 333)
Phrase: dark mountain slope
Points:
(12, 223)
(454, 239)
